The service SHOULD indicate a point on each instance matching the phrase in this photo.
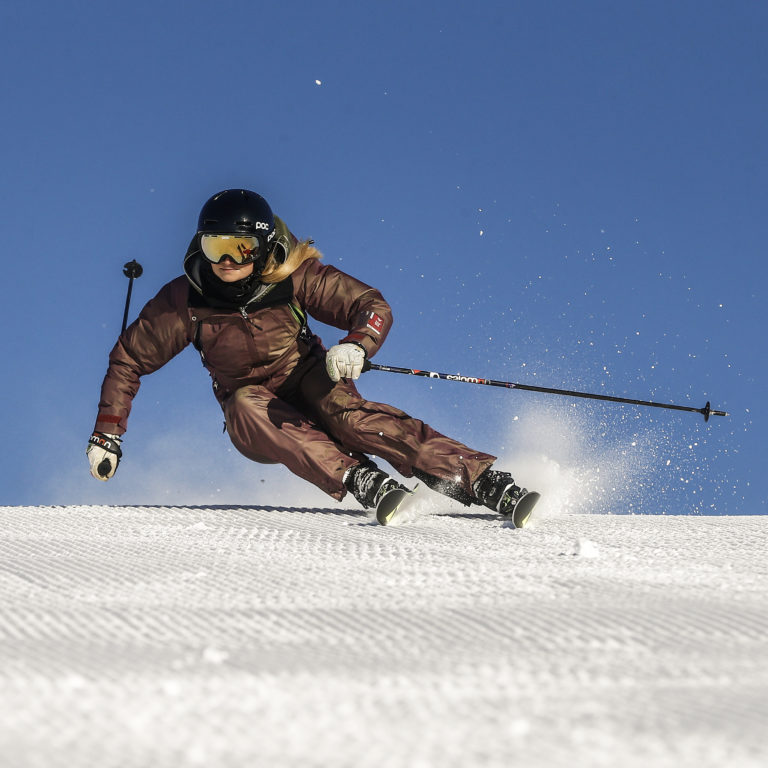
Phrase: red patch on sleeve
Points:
(375, 323)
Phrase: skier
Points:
(243, 300)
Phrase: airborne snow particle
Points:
(318, 82)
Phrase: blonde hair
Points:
(297, 255)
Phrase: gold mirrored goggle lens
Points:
(242, 250)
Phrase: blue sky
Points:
(568, 194)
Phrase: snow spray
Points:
(584, 463)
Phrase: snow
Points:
(227, 636)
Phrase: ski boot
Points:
(368, 484)
(497, 491)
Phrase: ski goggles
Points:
(242, 250)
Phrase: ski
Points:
(521, 514)
(392, 503)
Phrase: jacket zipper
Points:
(248, 319)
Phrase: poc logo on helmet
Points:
(261, 225)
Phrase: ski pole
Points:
(706, 411)
(131, 270)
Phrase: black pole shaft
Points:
(706, 411)
(131, 270)
(127, 304)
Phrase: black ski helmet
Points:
(237, 212)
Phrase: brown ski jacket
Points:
(260, 343)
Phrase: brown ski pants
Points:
(318, 429)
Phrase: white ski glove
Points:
(344, 361)
(104, 454)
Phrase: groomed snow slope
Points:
(178, 636)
